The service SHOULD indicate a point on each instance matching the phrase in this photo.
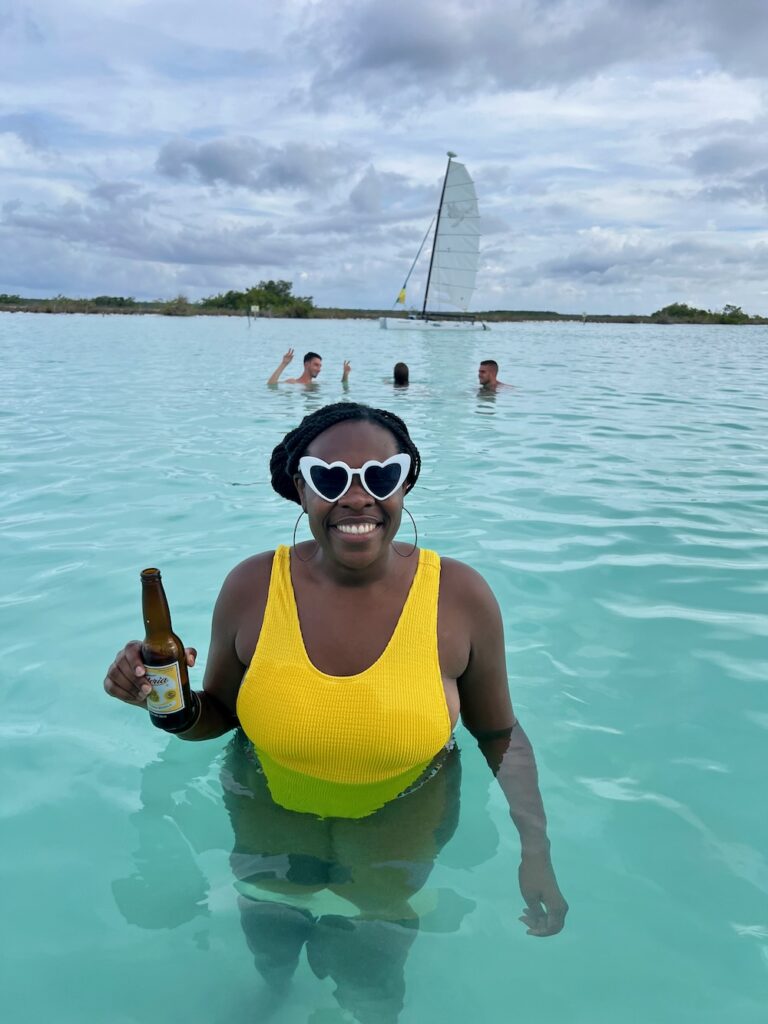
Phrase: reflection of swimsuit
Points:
(333, 865)
(342, 746)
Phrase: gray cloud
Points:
(750, 188)
(728, 155)
(122, 221)
(383, 197)
(117, 226)
(609, 262)
(385, 50)
(122, 193)
(247, 163)
(734, 161)
(375, 192)
(228, 161)
(130, 228)
(30, 128)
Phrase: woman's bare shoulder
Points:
(249, 577)
(461, 582)
(466, 600)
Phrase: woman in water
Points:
(344, 663)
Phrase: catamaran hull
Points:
(392, 323)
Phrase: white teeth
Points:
(362, 528)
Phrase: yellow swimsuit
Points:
(342, 746)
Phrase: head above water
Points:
(401, 374)
(284, 464)
(488, 372)
(313, 363)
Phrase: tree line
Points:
(681, 313)
(276, 298)
(267, 298)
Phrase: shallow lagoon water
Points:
(617, 502)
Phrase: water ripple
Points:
(616, 502)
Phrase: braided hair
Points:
(284, 463)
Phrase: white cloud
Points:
(618, 150)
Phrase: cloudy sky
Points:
(161, 147)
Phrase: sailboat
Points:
(454, 260)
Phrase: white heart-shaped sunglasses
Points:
(331, 480)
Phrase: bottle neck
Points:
(157, 616)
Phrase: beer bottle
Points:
(172, 706)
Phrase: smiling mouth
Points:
(356, 529)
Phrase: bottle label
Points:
(166, 695)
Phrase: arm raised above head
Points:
(283, 363)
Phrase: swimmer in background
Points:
(313, 364)
(400, 375)
(487, 376)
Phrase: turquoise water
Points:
(617, 502)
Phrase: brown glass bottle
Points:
(170, 703)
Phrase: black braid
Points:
(284, 463)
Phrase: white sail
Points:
(454, 261)
(457, 243)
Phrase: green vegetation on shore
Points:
(267, 298)
(680, 313)
(276, 299)
(271, 297)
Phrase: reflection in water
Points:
(312, 395)
(349, 891)
(168, 888)
(486, 400)
(344, 888)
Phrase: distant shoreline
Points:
(83, 306)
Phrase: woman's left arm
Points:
(486, 711)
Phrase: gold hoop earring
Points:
(415, 536)
(295, 552)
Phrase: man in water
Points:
(400, 374)
(487, 376)
(313, 364)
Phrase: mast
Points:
(437, 228)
